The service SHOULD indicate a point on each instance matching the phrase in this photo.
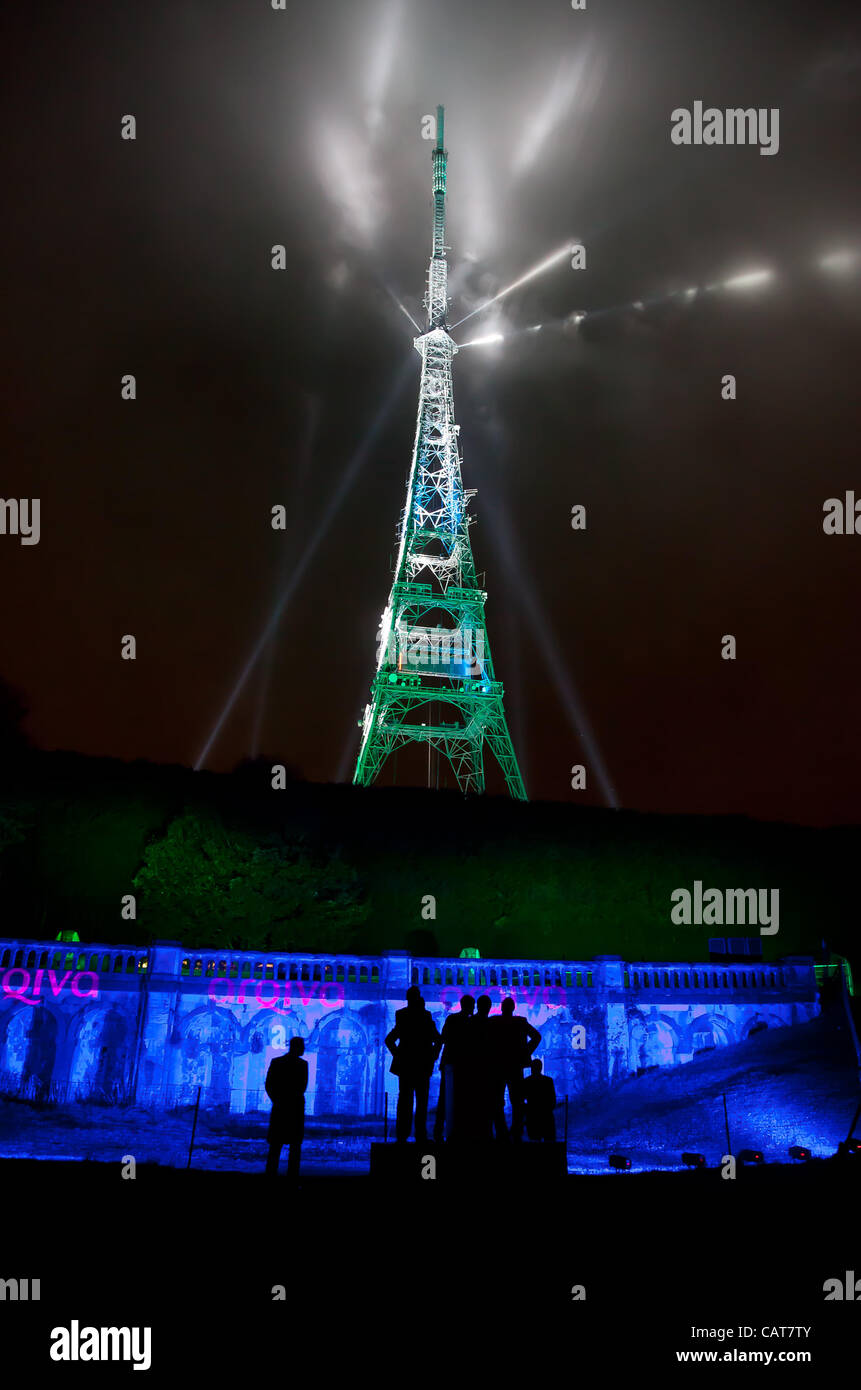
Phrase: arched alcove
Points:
(30, 1052)
(342, 1069)
(267, 1037)
(100, 1059)
(203, 1059)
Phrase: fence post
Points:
(193, 1129)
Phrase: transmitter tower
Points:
(435, 684)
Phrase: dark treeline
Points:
(223, 859)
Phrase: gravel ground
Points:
(786, 1086)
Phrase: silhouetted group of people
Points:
(481, 1059)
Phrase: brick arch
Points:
(77, 1020)
(723, 1030)
(101, 1042)
(769, 1019)
(203, 1057)
(347, 1015)
(654, 1038)
(16, 1008)
(31, 1045)
(214, 1009)
(342, 1072)
(252, 1066)
(636, 1028)
(662, 1040)
(266, 1020)
(567, 1066)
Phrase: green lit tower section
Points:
(435, 684)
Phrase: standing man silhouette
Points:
(286, 1083)
(481, 1071)
(414, 1043)
(453, 1084)
(515, 1041)
(539, 1095)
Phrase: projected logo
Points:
(18, 983)
(529, 998)
(271, 994)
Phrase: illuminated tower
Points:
(434, 683)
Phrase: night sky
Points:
(258, 387)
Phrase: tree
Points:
(205, 883)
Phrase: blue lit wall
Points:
(151, 1025)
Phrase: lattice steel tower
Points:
(426, 668)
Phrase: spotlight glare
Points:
(529, 275)
(480, 342)
(404, 310)
(748, 280)
(839, 261)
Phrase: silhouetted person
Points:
(478, 1072)
(514, 1041)
(539, 1096)
(286, 1083)
(453, 1080)
(414, 1043)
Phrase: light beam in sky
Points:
(839, 261)
(381, 65)
(402, 307)
(351, 472)
(576, 82)
(480, 342)
(503, 537)
(530, 275)
(748, 280)
(351, 179)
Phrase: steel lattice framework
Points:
(424, 667)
